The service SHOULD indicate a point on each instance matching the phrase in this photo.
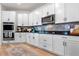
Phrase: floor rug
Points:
(18, 51)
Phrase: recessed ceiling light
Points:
(37, 12)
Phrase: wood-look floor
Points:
(40, 52)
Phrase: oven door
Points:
(8, 27)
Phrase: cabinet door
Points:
(35, 39)
(59, 13)
(39, 16)
(23, 37)
(72, 48)
(18, 37)
(44, 11)
(5, 16)
(25, 19)
(45, 42)
(31, 38)
(35, 16)
(12, 16)
(28, 38)
(51, 8)
(31, 19)
(50, 42)
(8, 16)
(72, 12)
(48, 9)
(58, 45)
(20, 18)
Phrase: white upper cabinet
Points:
(31, 17)
(12, 16)
(44, 11)
(36, 15)
(8, 16)
(4, 16)
(59, 13)
(72, 12)
(48, 9)
(66, 12)
(25, 20)
(51, 9)
(22, 19)
(19, 16)
(34, 18)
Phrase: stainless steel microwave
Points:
(48, 19)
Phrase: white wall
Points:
(0, 26)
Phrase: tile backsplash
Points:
(64, 29)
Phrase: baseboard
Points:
(15, 43)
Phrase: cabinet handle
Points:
(45, 40)
(8, 19)
(45, 46)
(22, 24)
(65, 19)
(33, 37)
(19, 36)
(64, 44)
(36, 22)
(47, 13)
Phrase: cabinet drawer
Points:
(43, 45)
(43, 40)
(46, 46)
(18, 35)
(48, 41)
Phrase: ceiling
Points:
(22, 6)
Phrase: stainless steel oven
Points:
(8, 31)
